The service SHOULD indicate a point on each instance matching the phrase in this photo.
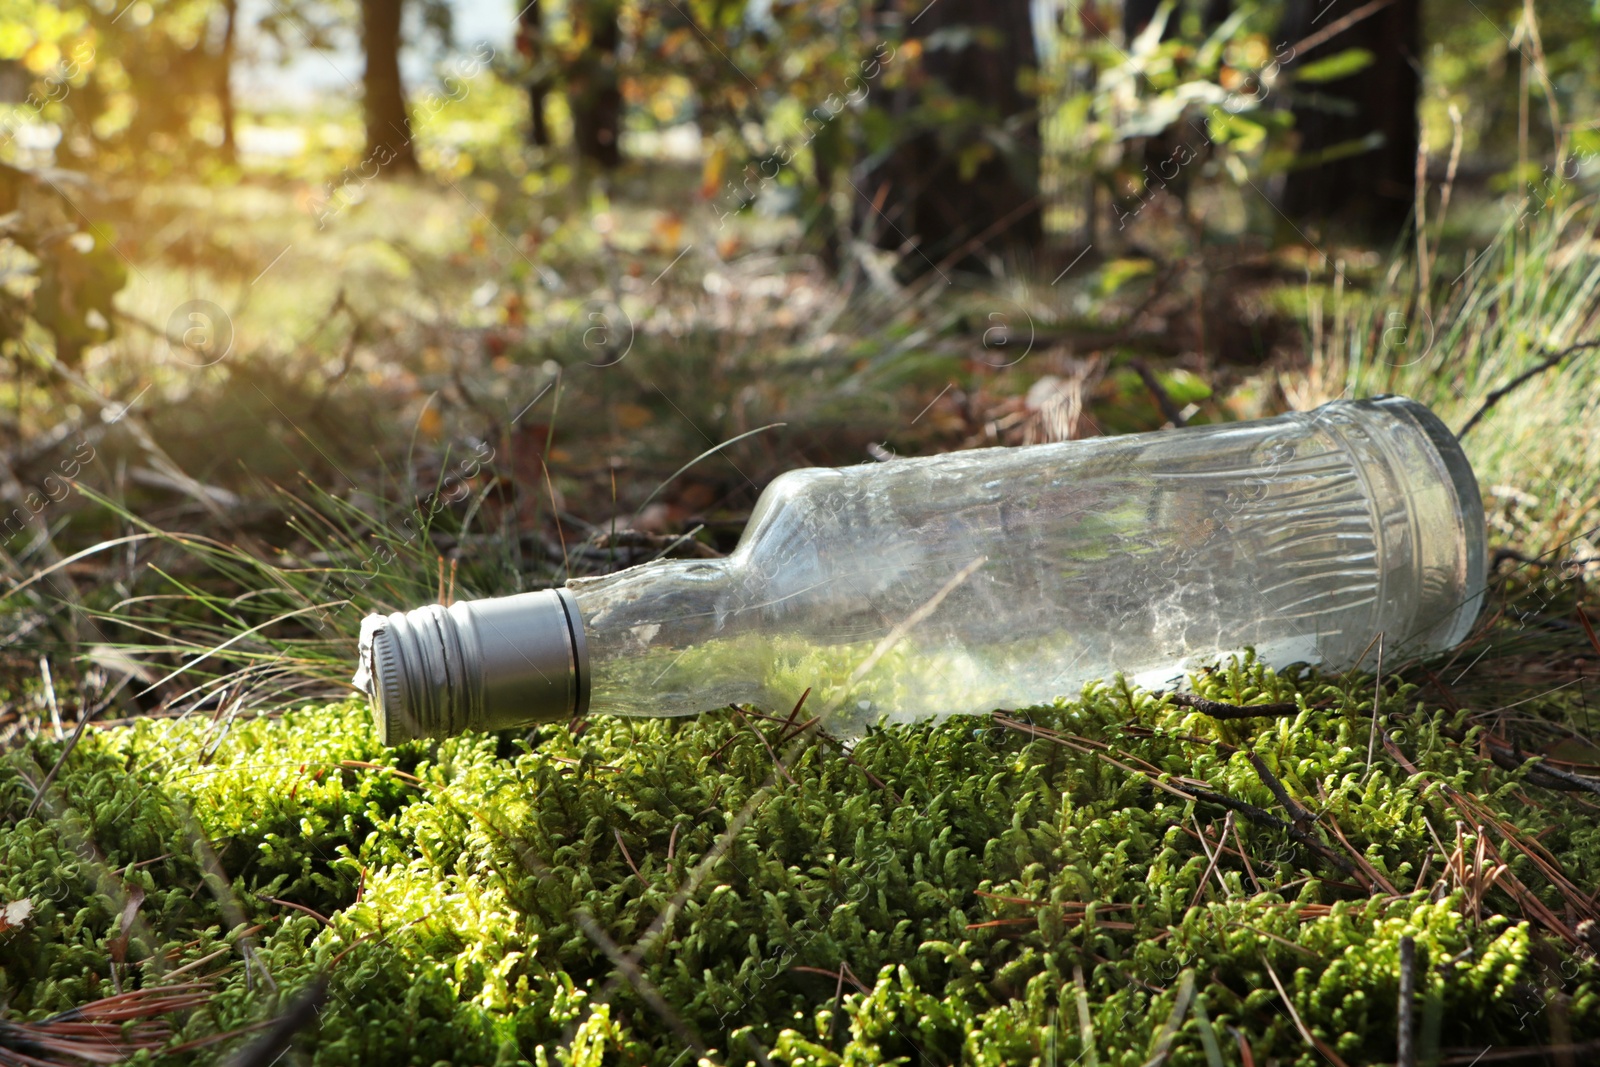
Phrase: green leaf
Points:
(1120, 272)
(1332, 68)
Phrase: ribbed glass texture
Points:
(1004, 577)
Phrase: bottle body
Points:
(1010, 576)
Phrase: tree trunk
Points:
(595, 94)
(384, 100)
(530, 42)
(965, 190)
(1358, 135)
(1136, 15)
(225, 104)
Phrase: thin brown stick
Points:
(1238, 843)
(1311, 1039)
(72, 741)
(1246, 1054)
(1532, 372)
(841, 974)
(50, 777)
(317, 915)
(1297, 812)
(776, 760)
(1079, 904)
(1338, 26)
(1362, 863)
(1588, 628)
(1182, 790)
(783, 734)
(983, 235)
(1576, 900)
(1163, 400)
(364, 765)
(212, 1039)
(1284, 941)
(1266, 818)
(1205, 879)
(828, 738)
(625, 855)
(1541, 773)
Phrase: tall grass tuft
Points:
(1532, 293)
(244, 624)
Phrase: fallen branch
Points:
(1218, 710)
(1266, 818)
(1169, 409)
(1539, 771)
(1297, 811)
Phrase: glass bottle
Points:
(990, 578)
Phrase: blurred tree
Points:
(383, 94)
(74, 269)
(965, 181)
(1358, 133)
(593, 88)
(225, 58)
(1136, 15)
(531, 45)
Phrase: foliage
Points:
(473, 888)
(61, 273)
(1208, 99)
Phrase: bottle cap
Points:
(477, 665)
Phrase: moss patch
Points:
(992, 894)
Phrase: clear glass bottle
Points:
(991, 578)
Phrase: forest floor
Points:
(1116, 879)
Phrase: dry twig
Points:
(1218, 710)
(1532, 372)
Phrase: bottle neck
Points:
(664, 638)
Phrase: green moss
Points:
(457, 878)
